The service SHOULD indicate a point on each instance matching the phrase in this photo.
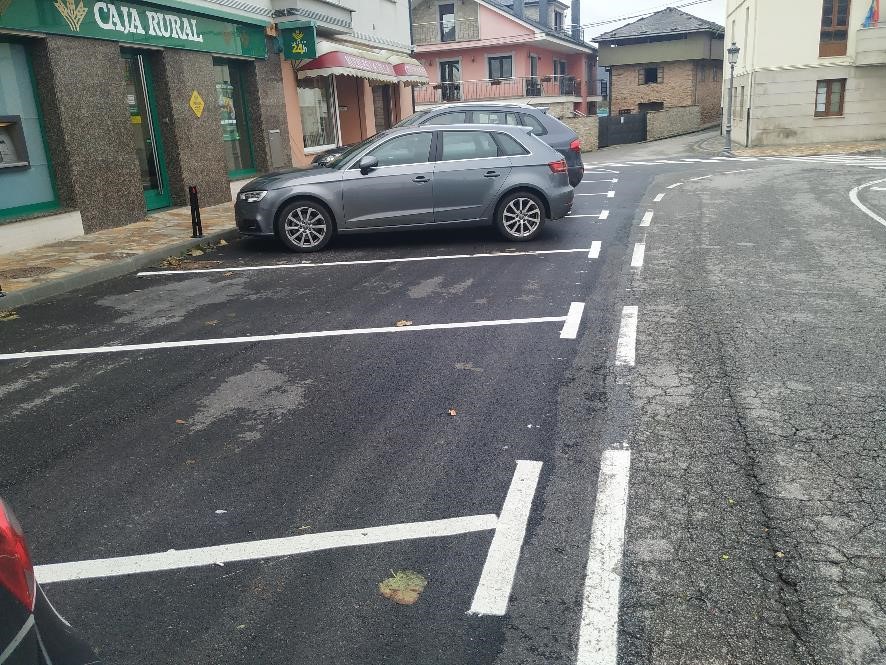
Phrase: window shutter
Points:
(641, 72)
(660, 75)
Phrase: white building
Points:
(808, 72)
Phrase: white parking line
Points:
(609, 195)
(639, 252)
(598, 632)
(625, 353)
(603, 215)
(853, 196)
(676, 184)
(878, 189)
(647, 218)
(248, 339)
(659, 197)
(594, 252)
(702, 177)
(497, 578)
(287, 266)
(588, 182)
(573, 319)
(260, 549)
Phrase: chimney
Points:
(543, 12)
(575, 19)
(518, 8)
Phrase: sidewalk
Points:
(46, 271)
(714, 145)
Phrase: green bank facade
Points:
(110, 110)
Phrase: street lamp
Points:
(732, 53)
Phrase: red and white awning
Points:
(346, 60)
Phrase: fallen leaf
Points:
(404, 587)
(731, 502)
(222, 242)
(402, 323)
(196, 252)
(780, 555)
(241, 626)
(306, 526)
(724, 556)
(212, 322)
(10, 315)
(181, 422)
(227, 274)
(190, 461)
(452, 412)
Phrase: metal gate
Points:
(619, 129)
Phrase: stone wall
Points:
(587, 130)
(673, 122)
(88, 132)
(267, 108)
(676, 89)
(559, 110)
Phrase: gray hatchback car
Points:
(414, 177)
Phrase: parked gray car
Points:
(414, 177)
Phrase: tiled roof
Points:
(666, 22)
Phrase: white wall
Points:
(382, 23)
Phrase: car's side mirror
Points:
(368, 163)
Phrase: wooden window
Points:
(829, 97)
(702, 72)
(501, 67)
(625, 111)
(647, 75)
(834, 28)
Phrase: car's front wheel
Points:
(305, 226)
(520, 216)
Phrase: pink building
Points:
(515, 50)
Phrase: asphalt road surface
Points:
(716, 411)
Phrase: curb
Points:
(102, 273)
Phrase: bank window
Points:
(316, 100)
(829, 97)
(26, 181)
(650, 75)
(409, 149)
(468, 145)
(834, 28)
(233, 117)
(501, 67)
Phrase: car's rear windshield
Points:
(412, 120)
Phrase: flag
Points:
(873, 16)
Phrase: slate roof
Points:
(666, 22)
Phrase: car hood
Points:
(288, 178)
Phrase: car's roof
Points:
(407, 129)
(481, 105)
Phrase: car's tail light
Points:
(558, 167)
(16, 570)
(575, 146)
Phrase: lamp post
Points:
(732, 53)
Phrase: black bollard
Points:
(196, 224)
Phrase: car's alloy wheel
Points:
(521, 217)
(304, 227)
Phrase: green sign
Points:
(135, 23)
(299, 43)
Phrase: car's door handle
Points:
(491, 174)
(421, 178)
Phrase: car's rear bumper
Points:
(576, 173)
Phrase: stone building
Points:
(825, 83)
(665, 60)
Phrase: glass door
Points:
(142, 106)
(450, 79)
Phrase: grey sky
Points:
(594, 11)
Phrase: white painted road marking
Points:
(853, 196)
(497, 578)
(286, 266)
(659, 197)
(609, 195)
(594, 253)
(676, 184)
(878, 189)
(639, 252)
(625, 353)
(573, 319)
(273, 338)
(702, 177)
(588, 182)
(261, 549)
(603, 215)
(647, 218)
(598, 632)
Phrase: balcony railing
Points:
(439, 32)
(870, 45)
(520, 86)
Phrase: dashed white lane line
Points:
(738, 171)
(676, 184)
(411, 259)
(594, 252)
(853, 196)
(639, 253)
(659, 197)
(497, 578)
(573, 320)
(878, 189)
(260, 549)
(702, 177)
(647, 218)
(625, 353)
(249, 339)
(598, 632)
(609, 195)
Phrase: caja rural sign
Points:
(136, 23)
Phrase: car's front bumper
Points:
(255, 219)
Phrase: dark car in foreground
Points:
(31, 631)
(546, 127)
(414, 177)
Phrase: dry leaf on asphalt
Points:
(181, 422)
(403, 322)
(452, 412)
(222, 242)
(196, 252)
(10, 315)
(404, 587)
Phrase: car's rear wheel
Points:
(305, 226)
(520, 216)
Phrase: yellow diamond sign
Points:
(196, 103)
